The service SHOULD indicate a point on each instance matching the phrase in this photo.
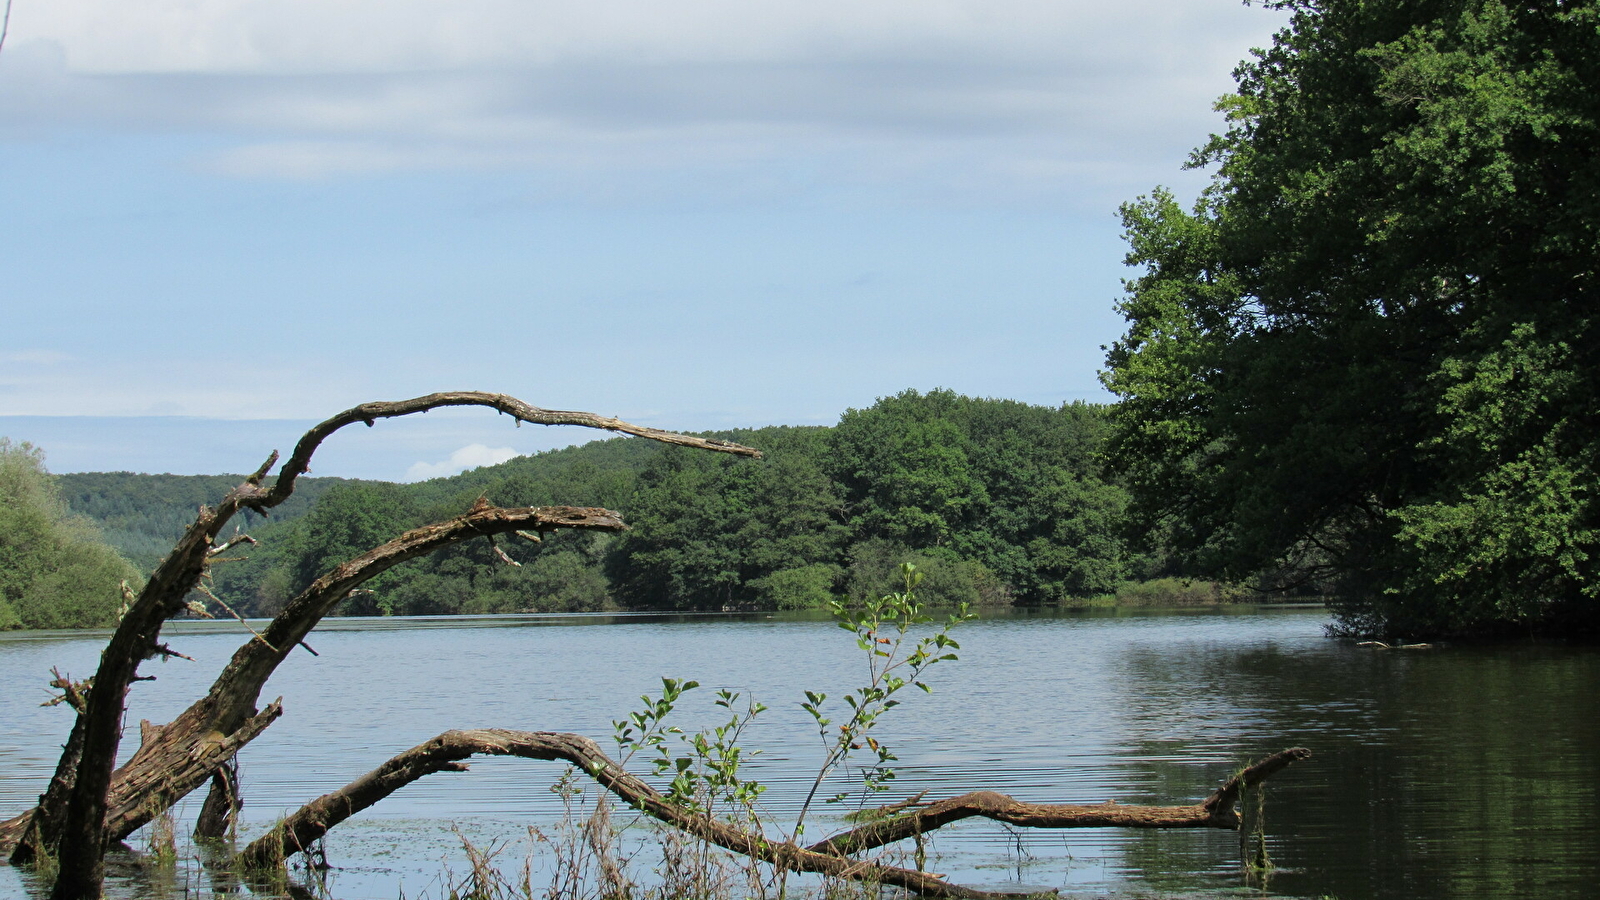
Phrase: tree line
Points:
(56, 570)
(997, 502)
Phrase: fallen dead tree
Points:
(832, 857)
(91, 804)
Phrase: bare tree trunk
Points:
(93, 808)
(220, 813)
(25, 833)
(831, 857)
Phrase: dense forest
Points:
(998, 502)
(1367, 356)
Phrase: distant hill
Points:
(143, 515)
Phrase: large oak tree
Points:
(1367, 354)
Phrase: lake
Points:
(1455, 772)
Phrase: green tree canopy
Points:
(711, 531)
(55, 572)
(1014, 487)
(1366, 355)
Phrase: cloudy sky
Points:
(225, 219)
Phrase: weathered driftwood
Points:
(832, 857)
(89, 805)
(219, 815)
(1216, 811)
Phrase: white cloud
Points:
(314, 36)
(471, 456)
(307, 88)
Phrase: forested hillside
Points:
(997, 501)
(141, 515)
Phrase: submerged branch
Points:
(446, 753)
(1215, 812)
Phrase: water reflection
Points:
(1461, 773)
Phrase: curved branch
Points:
(1221, 802)
(1214, 812)
(138, 791)
(82, 845)
(446, 752)
(253, 662)
(299, 462)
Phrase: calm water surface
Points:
(1447, 773)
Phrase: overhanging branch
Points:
(299, 462)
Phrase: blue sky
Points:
(226, 219)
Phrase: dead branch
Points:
(73, 693)
(1221, 802)
(233, 695)
(1216, 811)
(83, 810)
(446, 753)
(237, 539)
(141, 790)
(368, 413)
(220, 813)
(502, 555)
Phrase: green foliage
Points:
(945, 579)
(1171, 593)
(349, 520)
(1366, 357)
(1012, 487)
(995, 501)
(803, 587)
(896, 660)
(55, 571)
(707, 529)
(144, 515)
(704, 768)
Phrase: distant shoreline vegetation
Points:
(999, 503)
